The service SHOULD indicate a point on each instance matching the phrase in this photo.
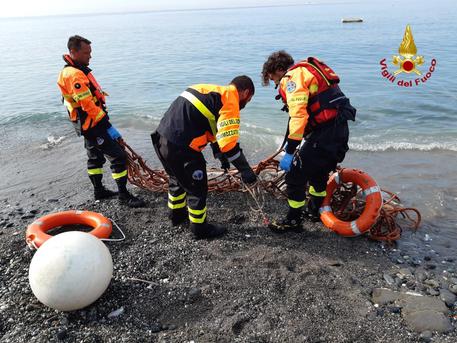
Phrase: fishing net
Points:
(347, 201)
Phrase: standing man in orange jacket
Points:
(85, 103)
(202, 114)
(318, 114)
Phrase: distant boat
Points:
(352, 20)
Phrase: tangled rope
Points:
(218, 180)
(347, 201)
(348, 204)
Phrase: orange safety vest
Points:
(317, 97)
(82, 96)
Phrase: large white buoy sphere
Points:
(70, 271)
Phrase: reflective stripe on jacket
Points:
(311, 93)
(82, 95)
(203, 114)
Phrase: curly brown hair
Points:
(279, 60)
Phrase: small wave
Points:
(52, 142)
(397, 146)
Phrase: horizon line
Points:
(308, 3)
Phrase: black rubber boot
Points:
(292, 221)
(125, 197)
(100, 192)
(205, 230)
(179, 216)
(312, 210)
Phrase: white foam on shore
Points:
(398, 146)
(378, 144)
(52, 142)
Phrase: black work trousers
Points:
(186, 169)
(318, 156)
(100, 145)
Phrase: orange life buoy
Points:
(36, 232)
(373, 203)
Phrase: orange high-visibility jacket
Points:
(203, 114)
(311, 94)
(82, 95)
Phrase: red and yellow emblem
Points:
(408, 50)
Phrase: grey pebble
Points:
(432, 283)
(156, 327)
(433, 292)
(430, 266)
(421, 276)
(410, 284)
(116, 313)
(194, 293)
(453, 289)
(426, 336)
(394, 309)
(389, 279)
(448, 297)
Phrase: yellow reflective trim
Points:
(230, 127)
(178, 197)
(312, 191)
(227, 134)
(197, 220)
(95, 171)
(119, 175)
(82, 96)
(176, 206)
(223, 142)
(228, 122)
(196, 212)
(70, 105)
(296, 204)
(296, 135)
(313, 88)
(202, 108)
(99, 115)
(298, 98)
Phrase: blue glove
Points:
(286, 162)
(113, 133)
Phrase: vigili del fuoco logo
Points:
(407, 63)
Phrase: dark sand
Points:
(252, 285)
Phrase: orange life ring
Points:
(370, 214)
(36, 232)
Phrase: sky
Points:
(26, 8)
